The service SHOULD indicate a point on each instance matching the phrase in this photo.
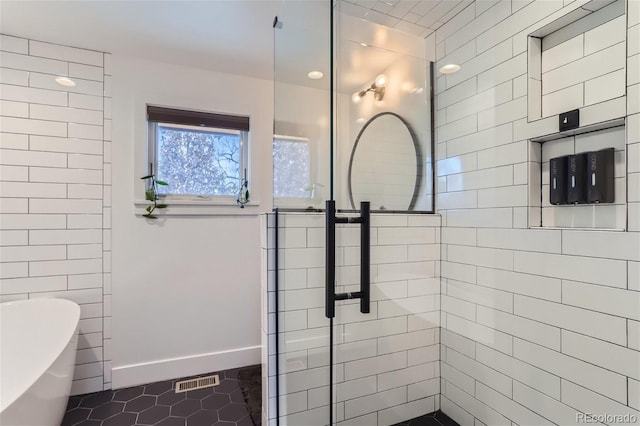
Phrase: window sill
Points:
(298, 203)
(225, 207)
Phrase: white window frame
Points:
(178, 205)
(153, 160)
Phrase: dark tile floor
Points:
(234, 402)
(437, 418)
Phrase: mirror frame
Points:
(416, 146)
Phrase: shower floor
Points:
(236, 401)
(437, 418)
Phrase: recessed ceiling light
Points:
(65, 81)
(315, 75)
(449, 68)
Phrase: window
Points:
(198, 154)
(291, 167)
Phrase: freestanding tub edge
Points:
(38, 341)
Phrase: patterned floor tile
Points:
(230, 403)
(234, 402)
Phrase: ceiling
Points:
(233, 36)
(417, 17)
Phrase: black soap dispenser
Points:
(558, 180)
(600, 176)
(576, 178)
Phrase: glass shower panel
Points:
(302, 107)
(386, 360)
(303, 329)
(302, 141)
(360, 132)
(383, 118)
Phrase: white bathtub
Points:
(38, 341)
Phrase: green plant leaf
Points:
(150, 216)
(146, 177)
(161, 182)
(161, 206)
(148, 209)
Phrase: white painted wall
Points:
(186, 289)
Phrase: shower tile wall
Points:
(387, 361)
(537, 325)
(55, 193)
(596, 56)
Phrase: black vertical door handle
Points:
(365, 257)
(330, 260)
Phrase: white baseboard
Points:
(172, 368)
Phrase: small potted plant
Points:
(151, 194)
(243, 194)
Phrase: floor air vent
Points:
(199, 383)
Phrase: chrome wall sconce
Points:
(377, 88)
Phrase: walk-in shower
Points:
(353, 246)
(504, 308)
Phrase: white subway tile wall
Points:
(55, 214)
(581, 63)
(538, 325)
(105, 106)
(387, 367)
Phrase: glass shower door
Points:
(361, 362)
(385, 360)
(302, 146)
(302, 107)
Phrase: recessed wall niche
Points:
(577, 60)
(610, 216)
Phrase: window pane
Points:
(198, 162)
(291, 169)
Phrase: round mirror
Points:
(384, 167)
